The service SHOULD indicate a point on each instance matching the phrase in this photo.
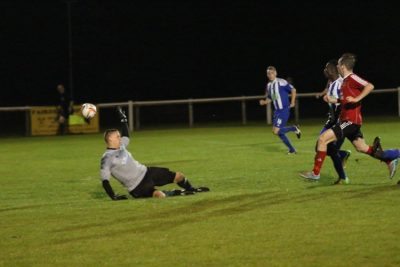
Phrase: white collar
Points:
(347, 75)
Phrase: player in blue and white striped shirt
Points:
(339, 157)
(277, 92)
(332, 92)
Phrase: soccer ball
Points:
(88, 110)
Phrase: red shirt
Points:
(352, 86)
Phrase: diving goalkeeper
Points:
(139, 180)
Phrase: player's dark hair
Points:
(271, 68)
(348, 60)
(332, 65)
(108, 132)
(333, 62)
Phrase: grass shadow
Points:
(206, 209)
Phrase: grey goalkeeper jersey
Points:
(120, 164)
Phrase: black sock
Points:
(185, 184)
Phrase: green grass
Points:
(259, 213)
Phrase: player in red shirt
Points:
(353, 90)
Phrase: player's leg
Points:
(280, 120)
(392, 163)
(163, 176)
(146, 188)
(293, 128)
(343, 154)
(384, 155)
(333, 152)
(339, 157)
(360, 145)
(61, 124)
(159, 194)
(328, 124)
(155, 177)
(324, 139)
(184, 183)
(356, 137)
(285, 129)
(389, 156)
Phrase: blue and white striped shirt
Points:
(278, 91)
(334, 91)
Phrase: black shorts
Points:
(155, 176)
(329, 123)
(347, 129)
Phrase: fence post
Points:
(269, 114)
(296, 111)
(137, 117)
(398, 98)
(244, 117)
(130, 116)
(190, 109)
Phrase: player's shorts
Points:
(328, 124)
(347, 129)
(281, 117)
(155, 176)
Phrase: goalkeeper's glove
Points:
(119, 197)
(121, 114)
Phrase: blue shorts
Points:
(281, 117)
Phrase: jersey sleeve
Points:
(361, 83)
(285, 86)
(125, 141)
(288, 88)
(105, 168)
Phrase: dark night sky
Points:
(179, 49)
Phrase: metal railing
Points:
(134, 106)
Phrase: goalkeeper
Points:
(139, 180)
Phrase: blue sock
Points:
(286, 129)
(391, 154)
(337, 163)
(286, 141)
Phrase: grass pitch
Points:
(259, 212)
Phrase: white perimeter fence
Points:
(134, 106)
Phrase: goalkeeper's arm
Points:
(124, 122)
(110, 192)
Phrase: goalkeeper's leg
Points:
(183, 182)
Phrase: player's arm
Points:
(124, 122)
(105, 180)
(366, 90)
(322, 93)
(330, 99)
(265, 101)
(110, 192)
(293, 94)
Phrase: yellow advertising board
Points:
(44, 121)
